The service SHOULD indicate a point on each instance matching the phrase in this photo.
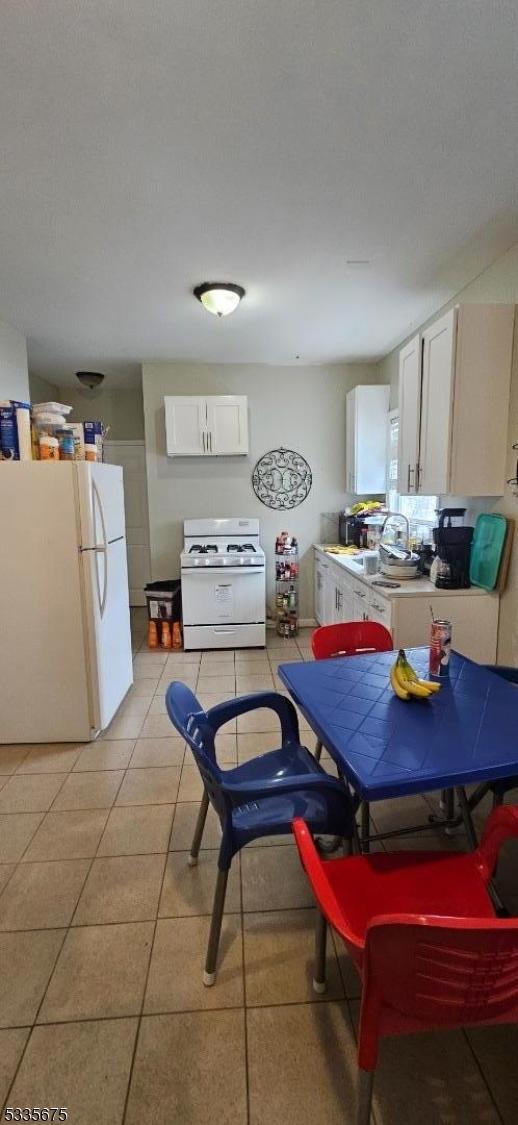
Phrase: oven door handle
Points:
(221, 571)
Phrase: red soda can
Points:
(440, 648)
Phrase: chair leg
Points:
(365, 827)
(319, 979)
(318, 751)
(198, 831)
(365, 1085)
(209, 975)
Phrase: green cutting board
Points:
(486, 550)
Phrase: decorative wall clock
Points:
(282, 479)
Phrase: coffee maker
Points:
(350, 530)
(453, 547)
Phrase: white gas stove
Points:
(223, 584)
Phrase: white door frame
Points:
(137, 596)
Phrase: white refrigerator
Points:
(65, 644)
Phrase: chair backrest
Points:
(187, 715)
(350, 638)
(423, 972)
(419, 971)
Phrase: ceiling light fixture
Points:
(90, 379)
(219, 297)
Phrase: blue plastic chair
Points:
(260, 797)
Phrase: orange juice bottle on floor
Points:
(152, 635)
(165, 639)
(177, 635)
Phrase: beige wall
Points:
(41, 390)
(498, 284)
(302, 408)
(120, 409)
(14, 375)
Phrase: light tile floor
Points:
(103, 931)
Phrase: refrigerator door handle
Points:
(101, 549)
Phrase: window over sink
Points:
(421, 511)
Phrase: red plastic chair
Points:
(350, 638)
(422, 932)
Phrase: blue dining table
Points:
(386, 747)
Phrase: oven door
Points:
(216, 595)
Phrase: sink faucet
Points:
(397, 516)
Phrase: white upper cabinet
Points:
(227, 424)
(454, 395)
(185, 426)
(366, 439)
(481, 401)
(437, 405)
(409, 409)
(206, 426)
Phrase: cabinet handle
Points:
(210, 440)
(203, 440)
(410, 471)
(419, 473)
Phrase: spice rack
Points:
(286, 585)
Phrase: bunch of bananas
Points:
(406, 683)
(366, 506)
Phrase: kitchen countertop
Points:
(410, 587)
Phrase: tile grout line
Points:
(19, 861)
(182, 1012)
(245, 1003)
(480, 1069)
(66, 931)
(33, 1025)
(144, 990)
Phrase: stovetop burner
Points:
(203, 549)
(240, 548)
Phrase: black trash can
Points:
(164, 600)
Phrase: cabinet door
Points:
(227, 424)
(350, 450)
(437, 405)
(367, 438)
(325, 590)
(360, 600)
(186, 426)
(359, 609)
(409, 410)
(319, 590)
(344, 600)
(380, 610)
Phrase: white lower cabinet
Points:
(341, 596)
(325, 592)
(380, 610)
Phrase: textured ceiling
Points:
(147, 146)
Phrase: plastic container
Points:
(90, 452)
(66, 446)
(49, 448)
(46, 418)
(50, 408)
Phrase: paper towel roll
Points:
(23, 425)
